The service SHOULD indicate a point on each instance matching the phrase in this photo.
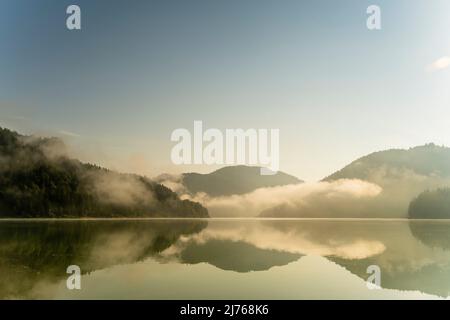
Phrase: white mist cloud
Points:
(439, 64)
(318, 195)
(173, 182)
(120, 189)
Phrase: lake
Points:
(224, 259)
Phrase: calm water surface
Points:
(224, 259)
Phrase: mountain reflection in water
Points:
(249, 259)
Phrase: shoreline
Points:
(224, 219)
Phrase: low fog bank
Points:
(316, 197)
(385, 192)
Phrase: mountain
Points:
(427, 161)
(234, 180)
(38, 179)
(431, 205)
(401, 174)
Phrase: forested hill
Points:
(37, 179)
(380, 167)
(234, 180)
(431, 204)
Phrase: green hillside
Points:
(37, 179)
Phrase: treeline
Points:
(431, 205)
(37, 179)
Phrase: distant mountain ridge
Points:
(426, 160)
(37, 179)
(234, 180)
(402, 175)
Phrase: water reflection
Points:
(40, 251)
(412, 255)
(238, 256)
(434, 234)
(273, 258)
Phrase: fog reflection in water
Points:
(224, 259)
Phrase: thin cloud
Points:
(20, 118)
(70, 134)
(439, 64)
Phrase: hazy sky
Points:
(140, 69)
